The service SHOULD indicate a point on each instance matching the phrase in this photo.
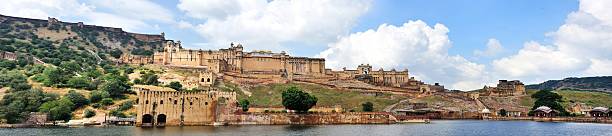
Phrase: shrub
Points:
(96, 96)
(125, 106)
(367, 106)
(107, 101)
(96, 105)
(88, 113)
(78, 99)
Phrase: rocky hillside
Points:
(602, 83)
(77, 36)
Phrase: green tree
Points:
(52, 76)
(298, 100)
(117, 113)
(367, 106)
(503, 112)
(244, 103)
(80, 83)
(116, 53)
(150, 78)
(549, 99)
(88, 113)
(8, 64)
(70, 67)
(115, 85)
(14, 79)
(126, 106)
(58, 110)
(15, 106)
(96, 96)
(176, 85)
(34, 69)
(107, 101)
(78, 99)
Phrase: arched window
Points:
(161, 102)
(174, 102)
(205, 103)
(202, 80)
(208, 80)
(147, 102)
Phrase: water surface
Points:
(436, 128)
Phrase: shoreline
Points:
(555, 119)
(535, 119)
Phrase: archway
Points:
(147, 118)
(161, 119)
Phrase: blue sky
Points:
(473, 22)
(463, 44)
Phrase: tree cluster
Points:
(550, 99)
(296, 99)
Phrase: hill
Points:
(601, 83)
(17, 34)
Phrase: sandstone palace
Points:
(264, 64)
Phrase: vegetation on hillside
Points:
(106, 82)
(550, 99)
(296, 99)
(270, 95)
(583, 83)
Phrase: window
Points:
(161, 102)
(174, 102)
(205, 103)
(147, 102)
(208, 80)
(202, 80)
(190, 103)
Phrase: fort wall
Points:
(311, 119)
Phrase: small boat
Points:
(426, 121)
(220, 124)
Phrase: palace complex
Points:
(267, 64)
(505, 88)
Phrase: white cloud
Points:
(218, 9)
(133, 15)
(494, 47)
(413, 45)
(582, 47)
(136, 9)
(43, 9)
(184, 25)
(261, 24)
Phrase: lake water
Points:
(436, 128)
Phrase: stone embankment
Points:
(310, 119)
(557, 119)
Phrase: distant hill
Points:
(22, 35)
(601, 83)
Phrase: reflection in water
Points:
(299, 127)
(461, 127)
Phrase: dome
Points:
(601, 109)
(543, 108)
(485, 111)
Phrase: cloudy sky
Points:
(463, 44)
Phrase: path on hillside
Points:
(390, 107)
(95, 54)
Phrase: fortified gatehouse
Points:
(174, 108)
(505, 88)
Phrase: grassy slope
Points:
(587, 97)
(270, 95)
